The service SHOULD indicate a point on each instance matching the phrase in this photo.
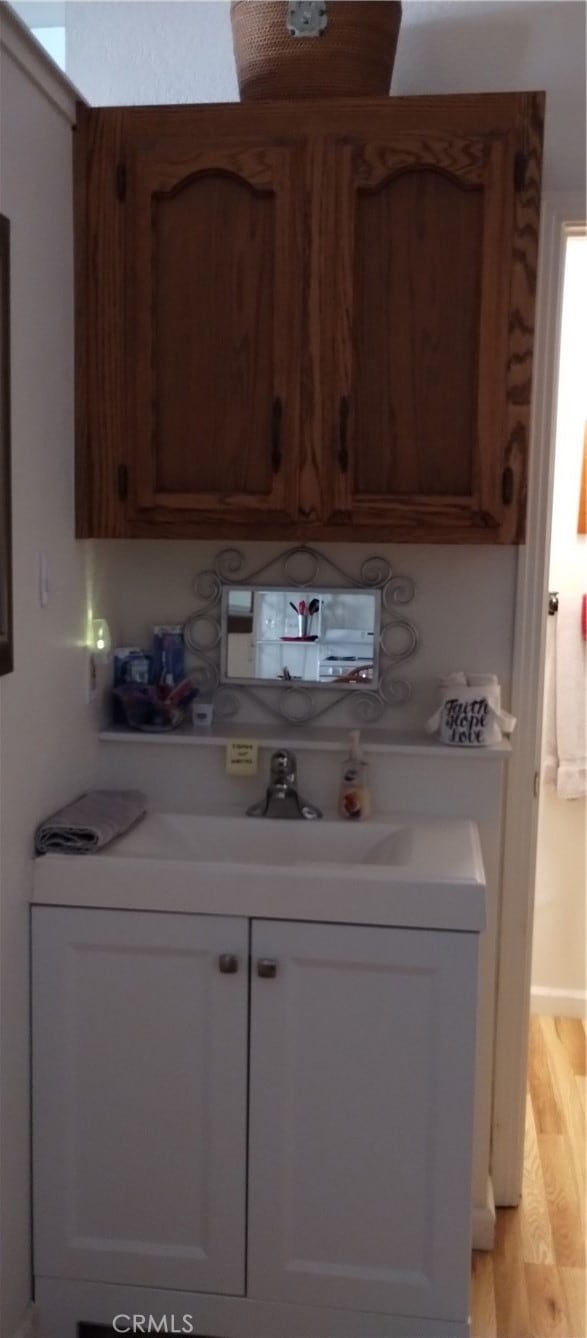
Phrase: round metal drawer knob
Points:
(228, 963)
(266, 968)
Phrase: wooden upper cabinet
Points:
(429, 360)
(307, 320)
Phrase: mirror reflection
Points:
(326, 637)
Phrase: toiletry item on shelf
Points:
(154, 707)
(131, 665)
(202, 714)
(354, 797)
(168, 654)
(470, 714)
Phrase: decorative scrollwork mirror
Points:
(299, 635)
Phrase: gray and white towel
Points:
(90, 822)
(564, 745)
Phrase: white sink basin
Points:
(405, 871)
(266, 841)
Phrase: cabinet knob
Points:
(266, 968)
(228, 963)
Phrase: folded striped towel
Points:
(90, 822)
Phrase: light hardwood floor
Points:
(533, 1284)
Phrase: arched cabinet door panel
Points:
(190, 281)
(215, 311)
(430, 356)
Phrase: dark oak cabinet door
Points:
(190, 266)
(216, 309)
(427, 402)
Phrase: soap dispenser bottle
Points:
(354, 798)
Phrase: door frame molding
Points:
(562, 214)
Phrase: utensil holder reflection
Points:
(303, 624)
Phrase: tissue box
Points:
(468, 718)
(470, 713)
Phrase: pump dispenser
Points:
(354, 798)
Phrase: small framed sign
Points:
(6, 648)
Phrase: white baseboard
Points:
(29, 1324)
(558, 1003)
(484, 1221)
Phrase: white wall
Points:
(150, 51)
(558, 955)
(45, 739)
(464, 618)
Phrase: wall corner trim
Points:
(18, 43)
(484, 1221)
(29, 1326)
(553, 1002)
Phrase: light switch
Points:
(43, 580)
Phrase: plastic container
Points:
(354, 800)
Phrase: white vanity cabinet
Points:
(361, 1117)
(139, 1098)
(348, 1050)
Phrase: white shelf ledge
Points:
(320, 738)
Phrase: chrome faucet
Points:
(282, 799)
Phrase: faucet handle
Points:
(283, 765)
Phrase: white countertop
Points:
(406, 871)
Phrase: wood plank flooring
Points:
(533, 1284)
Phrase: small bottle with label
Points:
(354, 797)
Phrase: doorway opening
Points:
(534, 1280)
(558, 986)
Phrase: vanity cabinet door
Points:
(139, 1098)
(430, 359)
(207, 258)
(361, 1110)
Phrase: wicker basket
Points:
(352, 57)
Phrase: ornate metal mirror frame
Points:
(303, 568)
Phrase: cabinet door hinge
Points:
(520, 169)
(536, 784)
(507, 486)
(120, 181)
(122, 482)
